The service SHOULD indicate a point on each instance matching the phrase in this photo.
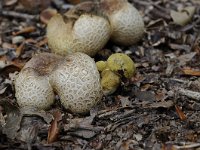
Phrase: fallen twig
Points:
(107, 114)
(122, 116)
(191, 94)
(25, 30)
(195, 145)
(179, 80)
(18, 15)
(191, 72)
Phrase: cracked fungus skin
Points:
(88, 34)
(77, 81)
(32, 84)
(33, 90)
(127, 23)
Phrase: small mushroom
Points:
(126, 22)
(74, 78)
(117, 66)
(109, 81)
(78, 31)
(121, 63)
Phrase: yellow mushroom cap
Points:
(109, 81)
(121, 62)
(101, 65)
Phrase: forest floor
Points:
(158, 108)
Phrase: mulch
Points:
(158, 108)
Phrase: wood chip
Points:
(180, 113)
(191, 72)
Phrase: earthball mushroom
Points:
(77, 82)
(78, 31)
(74, 78)
(32, 87)
(126, 22)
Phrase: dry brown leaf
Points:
(146, 87)
(196, 47)
(13, 118)
(168, 147)
(190, 10)
(42, 42)
(156, 23)
(163, 104)
(184, 16)
(33, 120)
(196, 1)
(191, 72)
(180, 113)
(74, 1)
(160, 96)
(183, 59)
(35, 5)
(0, 40)
(6, 45)
(54, 128)
(20, 48)
(17, 63)
(25, 30)
(31, 111)
(5, 62)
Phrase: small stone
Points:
(17, 39)
(138, 137)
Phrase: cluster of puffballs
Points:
(69, 71)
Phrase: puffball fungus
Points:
(32, 86)
(77, 82)
(86, 33)
(126, 22)
(121, 62)
(75, 78)
(109, 81)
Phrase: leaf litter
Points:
(157, 109)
